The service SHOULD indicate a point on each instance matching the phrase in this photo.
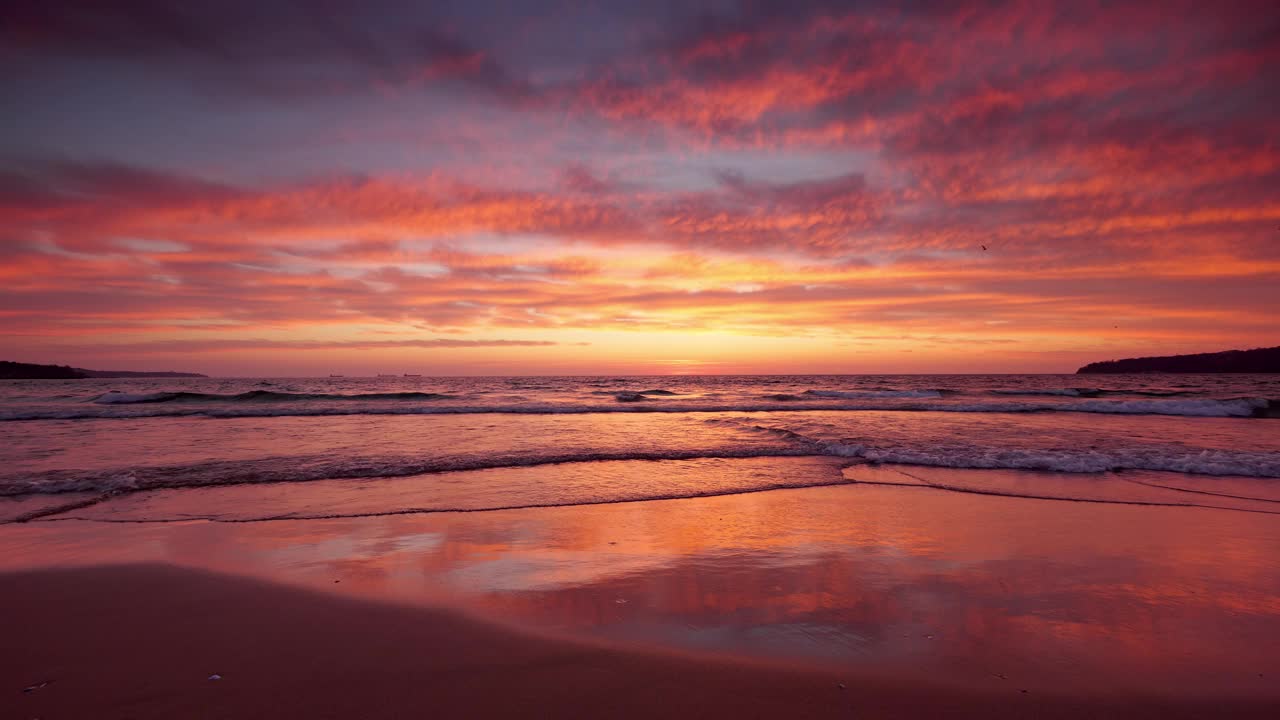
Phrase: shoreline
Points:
(921, 604)
(141, 641)
(400, 495)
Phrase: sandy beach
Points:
(862, 600)
(142, 641)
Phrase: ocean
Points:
(347, 446)
(1006, 532)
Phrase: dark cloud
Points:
(851, 188)
(579, 178)
(260, 47)
(60, 182)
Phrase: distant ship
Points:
(386, 375)
(337, 376)
(411, 375)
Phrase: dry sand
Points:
(141, 642)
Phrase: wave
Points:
(120, 398)
(632, 497)
(1089, 393)
(1054, 392)
(1202, 407)
(259, 405)
(789, 444)
(1206, 462)
(872, 394)
(301, 508)
(658, 392)
(1243, 463)
(303, 469)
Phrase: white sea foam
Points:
(786, 444)
(1206, 462)
(1202, 407)
(275, 470)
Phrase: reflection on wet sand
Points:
(983, 589)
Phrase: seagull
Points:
(984, 247)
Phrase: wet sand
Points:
(140, 641)
(920, 600)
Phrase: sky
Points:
(482, 187)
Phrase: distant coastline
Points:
(31, 371)
(1258, 360)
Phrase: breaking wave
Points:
(303, 469)
(872, 394)
(789, 444)
(272, 404)
(1052, 392)
(121, 398)
(1206, 462)
(1088, 393)
(658, 392)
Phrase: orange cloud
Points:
(1048, 178)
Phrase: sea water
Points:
(316, 447)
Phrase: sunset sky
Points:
(279, 188)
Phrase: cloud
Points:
(820, 217)
(86, 204)
(264, 49)
(578, 178)
(61, 183)
(799, 169)
(254, 345)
